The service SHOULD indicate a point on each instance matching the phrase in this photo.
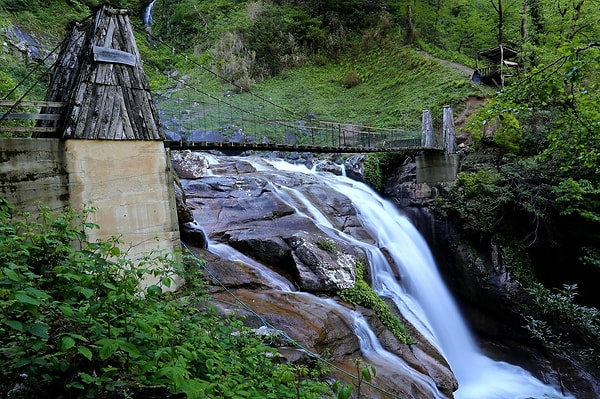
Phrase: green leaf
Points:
(115, 251)
(67, 310)
(107, 347)
(87, 292)
(24, 298)
(129, 348)
(11, 274)
(166, 281)
(85, 352)
(154, 290)
(17, 325)
(39, 329)
(76, 384)
(366, 374)
(66, 343)
(347, 391)
(110, 286)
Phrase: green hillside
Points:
(530, 178)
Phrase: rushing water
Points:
(478, 376)
(421, 295)
(147, 14)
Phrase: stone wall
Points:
(129, 182)
(436, 167)
(33, 172)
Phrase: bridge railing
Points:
(191, 127)
(212, 121)
(22, 117)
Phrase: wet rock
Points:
(193, 234)
(321, 267)
(240, 205)
(188, 164)
(184, 212)
(355, 167)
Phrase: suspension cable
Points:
(209, 70)
(38, 80)
(220, 101)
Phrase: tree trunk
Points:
(498, 7)
(411, 35)
(524, 22)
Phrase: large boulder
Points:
(188, 164)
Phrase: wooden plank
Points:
(40, 129)
(49, 104)
(109, 55)
(39, 117)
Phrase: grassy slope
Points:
(396, 84)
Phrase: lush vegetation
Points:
(540, 194)
(77, 323)
(357, 61)
(362, 294)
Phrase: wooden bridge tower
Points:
(113, 142)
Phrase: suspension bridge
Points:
(187, 117)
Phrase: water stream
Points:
(421, 295)
(147, 14)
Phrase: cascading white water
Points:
(478, 376)
(275, 280)
(147, 16)
(424, 296)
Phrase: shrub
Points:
(378, 167)
(480, 199)
(76, 322)
(560, 321)
(328, 245)
(362, 294)
(509, 137)
(351, 79)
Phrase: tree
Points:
(497, 4)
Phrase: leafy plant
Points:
(77, 321)
(378, 167)
(351, 79)
(328, 245)
(362, 294)
(509, 137)
(364, 373)
(562, 324)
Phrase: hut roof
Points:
(498, 53)
(99, 75)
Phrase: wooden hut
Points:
(494, 65)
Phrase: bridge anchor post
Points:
(437, 166)
(427, 133)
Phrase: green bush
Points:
(76, 323)
(379, 167)
(560, 322)
(480, 199)
(509, 137)
(362, 294)
(351, 79)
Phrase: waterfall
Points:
(147, 15)
(420, 294)
(425, 300)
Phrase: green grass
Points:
(396, 84)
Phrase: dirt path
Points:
(458, 67)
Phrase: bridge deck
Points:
(229, 146)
